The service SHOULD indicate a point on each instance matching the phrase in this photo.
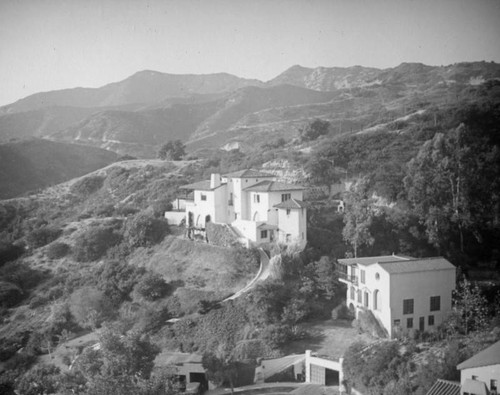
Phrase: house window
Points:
(493, 385)
(397, 322)
(366, 299)
(288, 237)
(359, 296)
(430, 320)
(435, 303)
(288, 211)
(256, 198)
(408, 306)
(263, 234)
(286, 196)
(203, 196)
(362, 276)
(409, 323)
(474, 377)
(353, 293)
(377, 276)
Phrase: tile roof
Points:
(444, 387)
(248, 173)
(291, 203)
(489, 356)
(200, 186)
(273, 186)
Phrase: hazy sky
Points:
(54, 44)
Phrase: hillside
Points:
(137, 114)
(33, 164)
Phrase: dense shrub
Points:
(43, 236)
(117, 280)
(94, 243)
(10, 294)
(145, 230)
(9, 252)
(87, 185)
(90, 307)
(152, 286)
(57, 250)
(105, 210)
(20, 274)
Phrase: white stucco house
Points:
(254, 204)
(480, 374)
(403, 293)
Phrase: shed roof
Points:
(489, 356)
(398, 264)
(176, 358)
(273, 186)
(370, 260)
(444, 387)
(248, 173)
(291, 204)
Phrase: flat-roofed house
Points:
(403, 293)
(480, 374)
(256, 205)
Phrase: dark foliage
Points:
(43, 236)
(58, 250)
(94, 243)
(9, 252)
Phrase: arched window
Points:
(256, 216)
(359, 296)
(352, 293)
(367, 299)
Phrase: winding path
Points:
(262, 274)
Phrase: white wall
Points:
(483, 373)
(420, 286)
(294, 223)
(247, 229)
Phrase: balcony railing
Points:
(348, 278)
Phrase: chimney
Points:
(214, 180)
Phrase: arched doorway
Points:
(256, 216)
(207, 219)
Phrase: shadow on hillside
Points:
(313, 340)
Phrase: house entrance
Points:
(421, 324)
(199, 378)
(207, 219)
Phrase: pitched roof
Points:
(273, 186)
(248, 173)
(444, 387)
(489, 356)
(291, 203)
(200, 186)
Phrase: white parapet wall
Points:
(175, 217)
(312, 361)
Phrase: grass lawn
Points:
(329, 338)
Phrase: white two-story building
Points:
(253, 203)
(403, 293)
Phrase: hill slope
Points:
(33, 164)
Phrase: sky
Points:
(54, 44)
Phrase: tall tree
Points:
(172, 150)
(470, 306)
(358, 217)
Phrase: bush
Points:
(105, 210)
(117, 280)
(87, 185)
(94, 243)
(43, 236)
(90, 307)
(58, 250)
(9, 252)
(144, 230)
(152, 286)
(10, 294)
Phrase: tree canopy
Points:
(172, 150)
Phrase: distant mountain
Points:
(144, 87)
(32, 164)
(136, 115)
